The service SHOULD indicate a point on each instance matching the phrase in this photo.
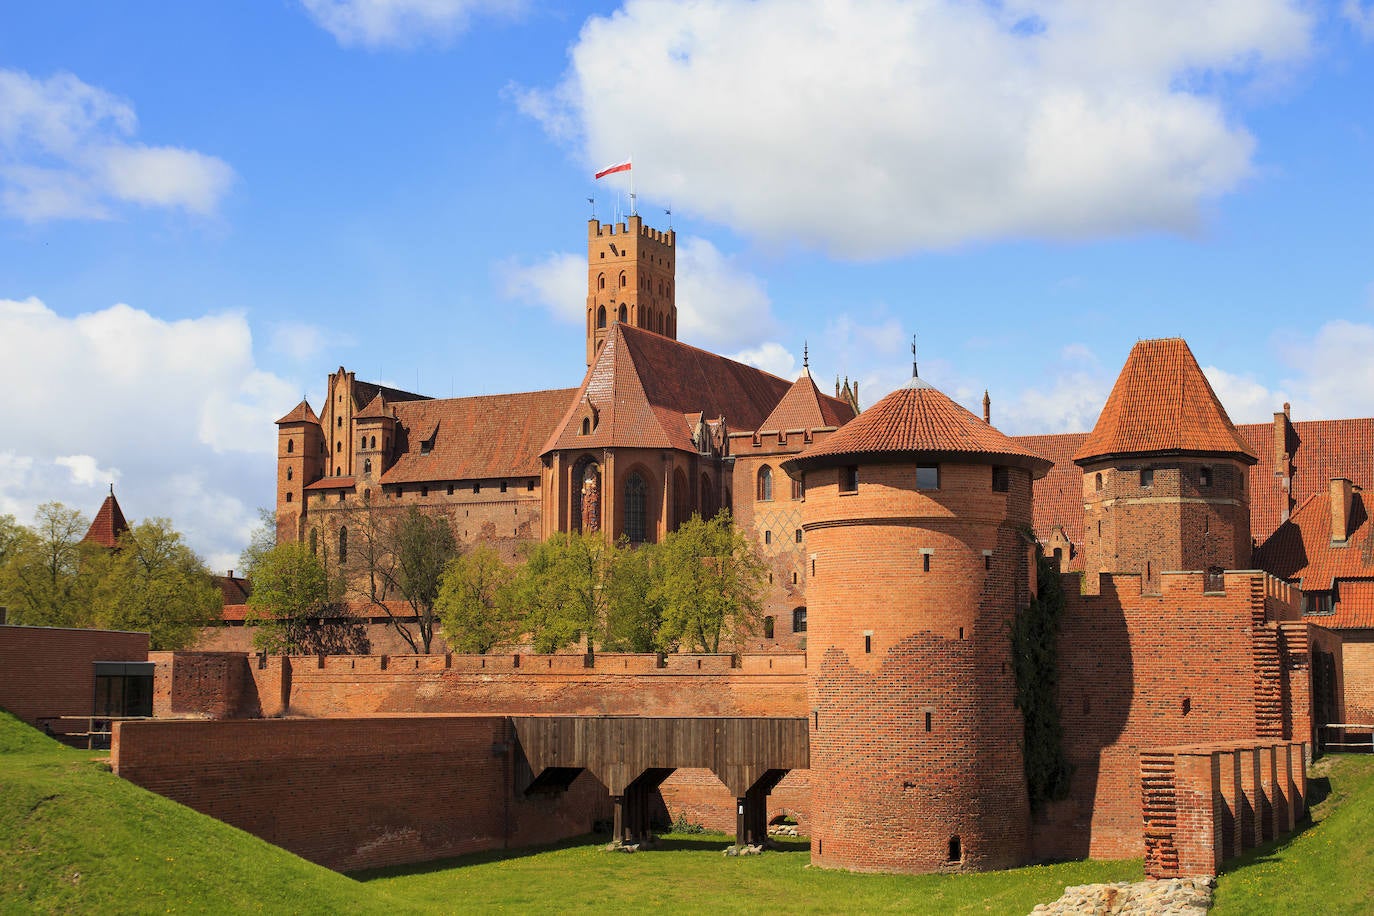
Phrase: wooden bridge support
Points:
(633, 806)
(751, 810)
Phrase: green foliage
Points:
(682, 825)
(1035, 656)
(292, 591)
(562, 588)
(475, 602)
(633, 615)
(260, 542)
(708, 582)
(153, 582)
(42, 580)
(401, 557)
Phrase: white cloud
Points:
(1361, 16)
(300, 341)
(770, 357)
(177, 413)
(66, 153)
(401, 23)
(875, 128)
(720, 304)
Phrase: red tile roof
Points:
(108, 525)
(1301, 550)
(377, 407)
(643, 386)
(478, 438)
(301, 413)
(1354, 609)
(233, 589)
(332, 483)
(1163, 404)
(919, 418)
(1059, 494)
(804, 407)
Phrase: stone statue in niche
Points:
(591, 499)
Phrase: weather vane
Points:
(914, 373)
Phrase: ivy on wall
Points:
(1035, 654)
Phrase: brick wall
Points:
(213, 685)
(1141, 670)
(1356, 664)
(356, 793)
(46, 671)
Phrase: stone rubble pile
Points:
(744, 851)
(1168, 897)
(783, 830)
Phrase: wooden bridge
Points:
(632, 756)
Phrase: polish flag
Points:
(612, 169)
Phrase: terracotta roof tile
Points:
(233, 589)
(643, 387)
(1353, 610)
(804, 407)
(332, 483)
(478, 438)
(375, 408)
(301, 413)
(366, 393)
(919, 418)
(1162, 403)
(1301, 550)
(1059, 494)
(108, 525)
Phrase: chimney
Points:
(987, 408)
(231, 574)
(1283, 461)
(1342, 500)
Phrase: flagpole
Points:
(634, 209)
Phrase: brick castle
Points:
(1213, 579)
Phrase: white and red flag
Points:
(612, 169)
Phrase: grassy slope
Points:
(74, 838)
(1327, 868)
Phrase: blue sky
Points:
(206, 207)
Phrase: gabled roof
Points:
(376, 409)
(1163, 404)
(233, 589)
(332, 483)
(301, 413)
(918, 418)
(365, 392)
(804, 407)
(476, 438)
(645, 386)
(109, 524)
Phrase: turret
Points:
(630, 278)
(300, 457)
(1164, 473)
(915, 517)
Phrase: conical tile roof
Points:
(804, 407)
(919, 418)
(1163, 404)
(301, 413)
(109, 524)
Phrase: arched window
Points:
(708, 499)
(601, 316)
(374, 441)
(623, 282)
(768, 628)
(290, 473)
(601, 281)
(338, 446)
(362, 443)
(367, 465)
(314, 541)
(623, 313)
(765, 482)
(343, 545)
(339, 423)
(288, 496)
(586, 426)
(290, 446)
(636, 515)
(1099, 482)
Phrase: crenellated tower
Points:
(630, 278)
(915, 519)
(1164, 473)
(300, 461)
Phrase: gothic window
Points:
(768, 628)
(290, 473)
(290, 446)
(374, 441)
(765, 483)
(623, 282)
(339, 423)
(1099, 482)
(338, 446)
(586, 426)
(362, 443)
(601, 316)
(799, 620)
(601, 284)
(636, 514)
(623, 313)
(343, 545)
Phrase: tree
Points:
(402, 558)
(260, 542)
(562, 588)
(41, 580)
(152, 581)
(475, 602)
(633, 614)
(708, 583)
(291, 594)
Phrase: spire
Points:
(914, 373)
(987, 408)
(806, 356)
(109, 523)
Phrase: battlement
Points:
(635, 224)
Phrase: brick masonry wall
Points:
(916, 742)
(1356, 663)
(213, 685)
(356, 793)
(1138, 671)
(51, 672)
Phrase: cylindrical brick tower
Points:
(1164, 473)
(917, 517)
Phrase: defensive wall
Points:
(1216, 661)
(50, 671)
(352, 793)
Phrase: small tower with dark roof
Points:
(300, 461)
(914, 518)
(1164, 473)
(108, 525)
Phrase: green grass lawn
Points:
(75, 838)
